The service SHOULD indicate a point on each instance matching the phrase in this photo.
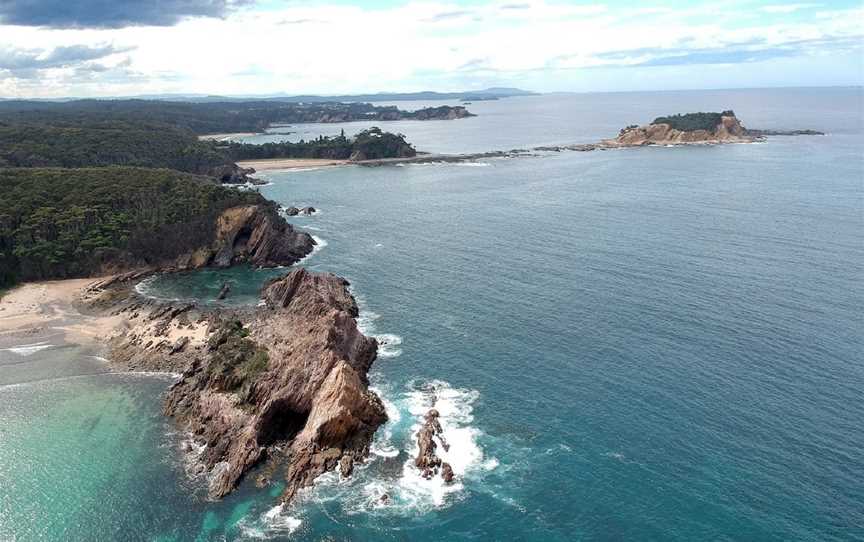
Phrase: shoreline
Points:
(47, 307)
(273, 164)
(227, 136)
(221, 392)
(282, 164)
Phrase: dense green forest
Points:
(95, 143)
(211, 117)
(690, 122)
(367, 145)
(63, 223)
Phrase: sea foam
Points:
(29, 349)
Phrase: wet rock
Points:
(346, 466)
(308, 211)
(223, 292)
(292, 211)
(427, 460)
(447, 473)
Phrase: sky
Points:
(98, 48)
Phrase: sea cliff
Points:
(285, 382)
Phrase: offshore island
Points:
(105, 196)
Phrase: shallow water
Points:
(657, 343)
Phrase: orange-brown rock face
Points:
(729, 130)
(251, 234)
(308, 406)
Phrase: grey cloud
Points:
(735, 53)
(447, 15)
(109, 13)
(26, 62)
(297, 21)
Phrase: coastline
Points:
(273, 164)
(37, 308)
(226, 136)
(233, 402)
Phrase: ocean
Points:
(637, 344)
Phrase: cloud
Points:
(448, 15)
(109, 13)
(439, 45)
(755, 50)
(786, 8)
(25, 63)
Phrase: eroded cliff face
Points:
(290, 386)
(252, 234)
(729, 130)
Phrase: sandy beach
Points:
(271, 164)
(42, 308)
(50, 306)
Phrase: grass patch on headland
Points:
(236, 360)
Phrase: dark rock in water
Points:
(223, 293)
(427, 460)
(308, 210)
(292, 211)
(447, 472)
(292, 385)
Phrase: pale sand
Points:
(42, 307)
(225, 137)
(290, 163)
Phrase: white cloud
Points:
(786, 8)
(336, 49)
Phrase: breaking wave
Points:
(389, 483)
(28, 349)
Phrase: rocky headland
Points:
(284, 384)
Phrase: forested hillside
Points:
(367, 145)
(214, 117)
(63, 142)
(690, 122)
(59, 223)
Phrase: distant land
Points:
(489, 93)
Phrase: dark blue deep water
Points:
(644, 344)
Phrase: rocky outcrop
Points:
(230, 173)
(427, 459)
(290, 385)
(727, 130)
(763, 133)
(444, 112)
(224, 291)
(252, 234)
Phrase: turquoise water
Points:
(650, 344)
